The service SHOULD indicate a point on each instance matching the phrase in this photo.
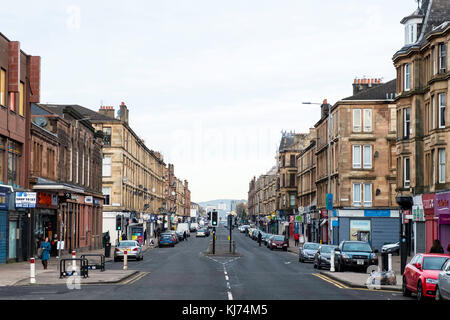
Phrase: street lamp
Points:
(330, 117)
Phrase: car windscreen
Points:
(327, 249)
(356, 246)
(433, 263)
(311, 246)
(127, 244)
(278, 238)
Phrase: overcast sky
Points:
(210, 84)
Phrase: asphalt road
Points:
(186, 273)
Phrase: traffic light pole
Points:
(230, 220)
(214, 240)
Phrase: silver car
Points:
(134, 250)
(443, 282)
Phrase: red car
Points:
(278, 241)
(421, 274)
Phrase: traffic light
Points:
(214, 219)
(209, 215)
(119, 222)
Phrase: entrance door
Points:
(3, 236)
(12, 240)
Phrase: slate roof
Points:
(436, 12)
(384, 91)
(85, 112)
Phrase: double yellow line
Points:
(333, 282)
(139, 276)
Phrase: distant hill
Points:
(224, 203)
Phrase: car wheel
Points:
(284, 249)
(405, 291)
(419, 291)
(438, 294)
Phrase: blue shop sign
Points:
(335, 223)
(377, 213)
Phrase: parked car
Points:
(354, 254)
(393, 248)
(174, 234)
(307, 251)
(182, 227)
(243, 227)
(265, 238)
(180, 235)
(134, 250)
(322, 258)
(278, 242)
(421, 273)
(443, 283)
(250, 231)
(201, 233)
(166, 240)
(255, 234)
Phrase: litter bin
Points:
(107, 250)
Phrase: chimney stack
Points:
(363, 84)
(107, 111)
(123, 113)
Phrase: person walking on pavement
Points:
(124, 236)
(259, 238)
(145, 237)
(45, 253)
(185, 235)
(296, 238)
(436, 247)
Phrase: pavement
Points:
(18, 273)
(358, 279)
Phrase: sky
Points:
(210, 84)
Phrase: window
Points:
(367, 157)
(356, 120)
(407, 82)
(284, 201)
(406, 173)
(14, 163)
(107, 136)
(292, 200)
(107, 194)
(77, 160)
(441, 165)
(356, 156)
(292, 180)
(433, 159)
(433, 111)
(292, 160)
(2, 87)
(88, 170)
(106, 166)
(2, 154)
(367, 195)
(406, 123)
(21, 97)
(442, 57)
(367, 120)
(70, 164)
(357, 194)
(410, 33)
(441, 98)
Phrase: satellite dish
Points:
(41, 122)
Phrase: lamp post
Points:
(330, 117)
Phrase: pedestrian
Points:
(259, 238)
(184, 235)
(296, 238)
(53, 251)
(45, 253)
(124, 236)
(436, 247)
(145, 237)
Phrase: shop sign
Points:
(4, 201)
(418, 213)
(428, 203)
(25, 199)
(97, 202)
(443, 207)
(299, 218)
(46, 200)
(88, 199)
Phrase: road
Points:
(186, 273)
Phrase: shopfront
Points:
(443, 212)
(44, 219)
(431, 221)
(4, 206)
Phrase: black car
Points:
(357, 254)
(322, 257)
(307, 252)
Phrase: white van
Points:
(182, 227)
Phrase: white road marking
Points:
(226, 278)
(230, 296)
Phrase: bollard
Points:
(32, 271)
(74, 263)
(125, 260)
(390, 262)
(332, 261)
